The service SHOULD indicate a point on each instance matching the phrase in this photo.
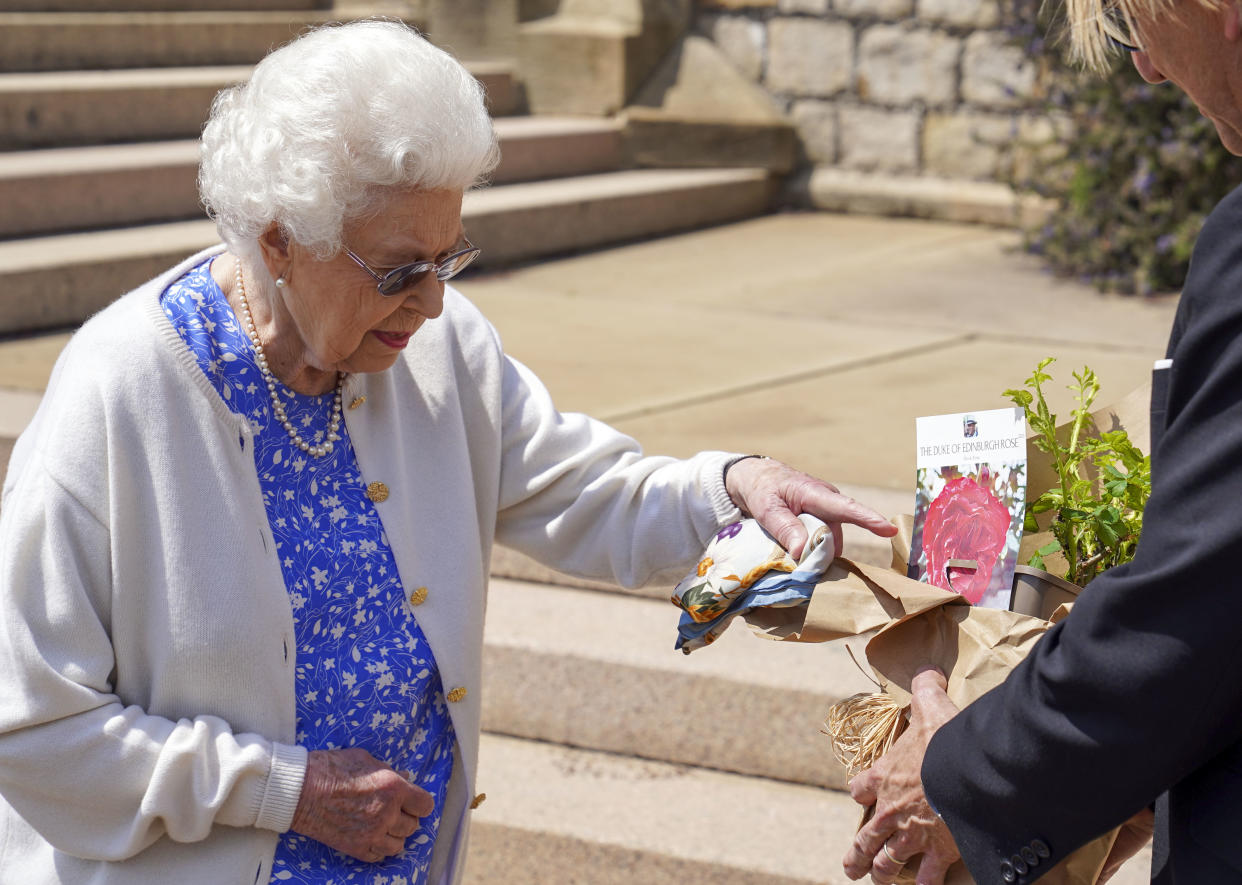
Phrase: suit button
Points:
(1007, 872)
(456, 695)
(1041, 848)
(1019, 865)
(419, 596)
(1029, 855)
(478, 800)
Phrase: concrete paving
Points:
(816, 338)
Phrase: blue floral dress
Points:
(365, 675)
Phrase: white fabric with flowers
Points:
(366, 676)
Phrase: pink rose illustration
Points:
(964, 522)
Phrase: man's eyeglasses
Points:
(400, 278)
(1119, 29)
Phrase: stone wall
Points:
(909, 87)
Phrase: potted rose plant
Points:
(1088, 520)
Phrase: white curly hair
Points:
(328, 126)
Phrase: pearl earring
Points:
(280, 282)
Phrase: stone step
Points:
(859, 545)
(17, 408)
(83, 188)
(66, 108)
(56, 281)
(52, 41)
(63, 108)
(598, 670)
(543, 218)
(555, 814)
(65, 189)
(540, 148)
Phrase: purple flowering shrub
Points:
(1139, 172)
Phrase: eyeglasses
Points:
(1119, 30)
(399, 278)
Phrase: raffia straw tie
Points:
(863, 728)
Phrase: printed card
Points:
(969, 503)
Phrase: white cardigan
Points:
(146, 658)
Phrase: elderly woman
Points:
(245, 542)
(1135, 700)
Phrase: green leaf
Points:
(1021, 398)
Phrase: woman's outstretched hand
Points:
(356, 804)
(775, 493)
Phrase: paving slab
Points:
(615, 358)
(857, 425)
(892, 271)
(803, 322)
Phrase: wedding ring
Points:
(889, 855)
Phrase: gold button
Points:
(478, 800)
(419, 596)
(377, 492)
(456, 695)
(358, 400)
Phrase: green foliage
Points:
(1104, 481)
(1139, 173)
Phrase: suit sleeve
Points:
(1142, 684)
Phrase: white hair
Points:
(329, 125)
(1093, 28)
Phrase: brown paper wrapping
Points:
(917, 624)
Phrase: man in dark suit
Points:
(1135, 700)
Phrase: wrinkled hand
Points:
(356, 804)
(1135, 833)
(775, 493)
(903, 819)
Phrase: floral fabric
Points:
(742, 569)
(365, 675)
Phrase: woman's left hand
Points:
(775, 493)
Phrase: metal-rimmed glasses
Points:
(400, 278)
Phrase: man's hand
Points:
(356, 804)
(774, 494)
(904, 824)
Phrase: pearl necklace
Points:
(278, 408)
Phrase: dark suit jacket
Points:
(1139, 690)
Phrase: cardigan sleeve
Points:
(1142, 683)
(580, 496)
(97, 778)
